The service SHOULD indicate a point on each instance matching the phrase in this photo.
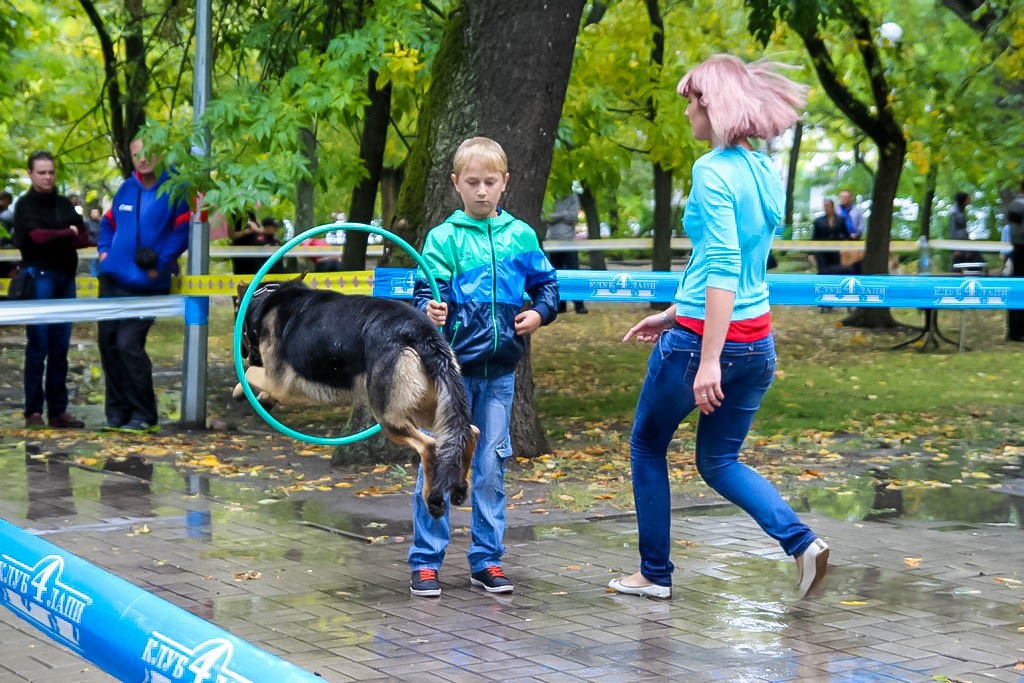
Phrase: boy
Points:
(483, 261)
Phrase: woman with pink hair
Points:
(714, 349)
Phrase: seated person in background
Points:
(958, 231)
(851, 215)
(1006, 254)
(246, 232)
(562, 226)
(829, 227)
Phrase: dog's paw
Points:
(238, 393)
(435, 504)
(459, 492)
(266, 400)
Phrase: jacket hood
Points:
(464, 220)
(772, 192)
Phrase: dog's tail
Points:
(453, 429)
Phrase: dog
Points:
(304, 344)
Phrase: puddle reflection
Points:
(127, 488)
(957, 490)
(48, 481)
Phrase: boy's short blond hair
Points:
(485, 149)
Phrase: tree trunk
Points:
(876, 248)
(794, 158)
(929, 199)
(509, 85)
(304, 189)
(528, 437)
(127, 111)
(372, 142)
(390, 184)
(662, 258)
(589, 205)
(877, 119)
(136, 71)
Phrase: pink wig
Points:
(744, 100)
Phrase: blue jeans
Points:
(665, 400)
(46, 353)
(491, 403)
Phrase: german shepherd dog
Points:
(321, 346)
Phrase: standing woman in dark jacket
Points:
(48, 231)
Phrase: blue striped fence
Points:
(124, 630)
(878, 291)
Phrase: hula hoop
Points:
(243, 306)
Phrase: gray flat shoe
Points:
(650, 591)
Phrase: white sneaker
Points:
(649, 591)
(811, 566)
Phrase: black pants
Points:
(567, 260)
(1015, 318)
(127, 369)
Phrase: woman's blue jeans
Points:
(665, 400)
(46, 353)
(491, 403)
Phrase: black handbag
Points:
(22, 286)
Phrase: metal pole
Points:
(197, 309)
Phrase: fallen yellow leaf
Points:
(912, 562)
(853, 602)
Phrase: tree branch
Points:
(111, 84)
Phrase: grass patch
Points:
(830, 377)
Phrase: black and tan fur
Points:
(321, 346)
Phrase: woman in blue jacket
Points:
(713, 347)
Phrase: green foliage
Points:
(622, 114)
(285, 66)
(948, 91)
(306, 80)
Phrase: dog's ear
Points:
(301, 277)
(242, 286)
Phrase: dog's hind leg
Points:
(426, 447)
(461, 489)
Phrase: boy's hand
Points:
(527, 322)
(437, 312)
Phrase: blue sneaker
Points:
(492, 580)
(424, 582)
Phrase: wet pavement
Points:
(919, 588)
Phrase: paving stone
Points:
(343, 608)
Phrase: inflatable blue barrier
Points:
(879, 291)
(129, 633)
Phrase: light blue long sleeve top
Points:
(731, 215)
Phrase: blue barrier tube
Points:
(878, 291)
(129, 633)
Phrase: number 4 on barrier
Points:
(130, 633)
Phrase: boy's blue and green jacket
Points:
(482, 269)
